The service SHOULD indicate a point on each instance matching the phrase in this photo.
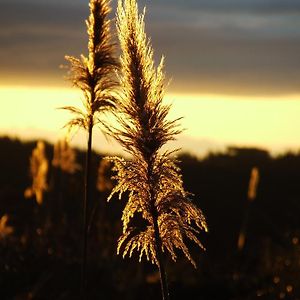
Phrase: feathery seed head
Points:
(253, 183)
(152, 179)
(5, 229)
(95, 75)
(64, 157)
(38, 172)
(143, 116)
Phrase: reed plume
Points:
(5, 229)
(254, 179)
(95, 77)
(64, 157)
(38, 173)
(151, 178)
(251, 196)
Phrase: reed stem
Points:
(86, 202)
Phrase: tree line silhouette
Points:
(40, 258)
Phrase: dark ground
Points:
(41, 258)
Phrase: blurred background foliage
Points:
(40, 244)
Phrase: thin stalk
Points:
(95, 76)
(243, 229)
(158, 242)
(87, 199)
(161, 266)
(252, 190)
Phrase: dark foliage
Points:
(40, 259)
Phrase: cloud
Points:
(213, 62)
(238, 6)
(245, 47)
(35, 36)
(237, 48)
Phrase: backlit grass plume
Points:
(151, 178)
(251, 196)
(38, 173)
(95, 77)
(5, 229)
(253, 183)
(95, 74)
(64, 157)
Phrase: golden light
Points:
(268, 122)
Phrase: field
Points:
(40, 245)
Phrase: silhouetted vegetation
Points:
(95, 76)
(40, 258)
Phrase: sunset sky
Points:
(234, 68)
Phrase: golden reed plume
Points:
(64, 157)
(152, 179)
(5, 229)
(254, 179)
(251, 196)
(38, 172)
(94, 75)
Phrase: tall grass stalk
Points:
(38, 172)
(95, 77)
(64, 164)
(151, 178)
(251, 196)
(64, 157)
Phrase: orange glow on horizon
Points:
(271, 123)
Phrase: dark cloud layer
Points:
(239, 6)
(237, 47)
